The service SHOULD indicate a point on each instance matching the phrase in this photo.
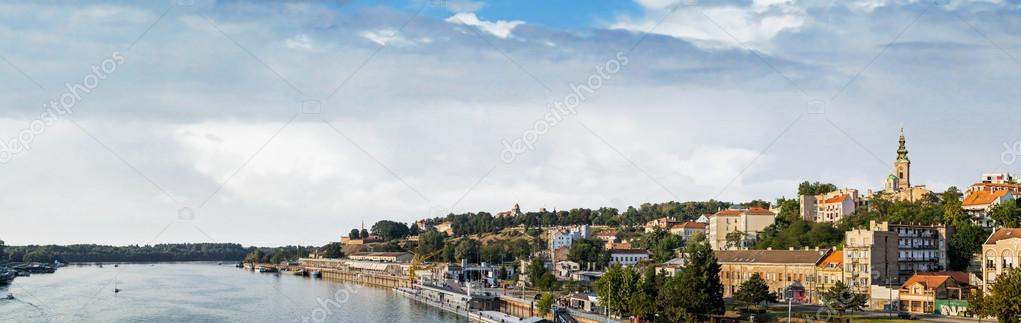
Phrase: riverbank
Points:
(479, 316)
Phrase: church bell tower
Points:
(902, 167)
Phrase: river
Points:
(200, 292)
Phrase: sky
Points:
(291, 123)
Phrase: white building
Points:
(978, 205)
(628, 257)
(564, 237)
(750, 222)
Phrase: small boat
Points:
(115, 265)
(9, 296)
(317, 274)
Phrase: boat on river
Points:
(7, 276)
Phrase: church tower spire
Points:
(902, 152)
(902, 167)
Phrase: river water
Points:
(201, 292)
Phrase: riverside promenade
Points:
(479, 316)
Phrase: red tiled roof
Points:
(689, 225)
(606, 233)
(1003, 234)
(933, 280)
(983, 197)
(834, 260)
(754, 211)
(836, 199)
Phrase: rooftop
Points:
(933, 280)
(834, 260)
(983, 197)
(805, 257)
(1002, 234)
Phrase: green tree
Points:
(332, 250)
(364, 234)
(1003, 297)
(754, 291)
(953, 213)
(977, 304)
(616, 289)
(355, 234)
(642, 303)
(587, 251)
(696, 292)
(254, 257)
(734, 239)
(390, 230)
(806, 188)
(430, 241)
(964, 243)
(539, 276)
(467, 249)
(1007, 214)
(3, 254)
(545, 304)
(840, 298)
(277, 258)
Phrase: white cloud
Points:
(300, 42)
(499, 28)
(754, 25)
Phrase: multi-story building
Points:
(749, 222)
(870, 258)
(1000, 252)
(564, 237)
(789, 273)
(663, 223)
(687, 229)
(829, 271)
(608, 235)
(832, 206)
(921, 248)
(980, 203)
(628, 257)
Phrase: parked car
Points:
(906, 316)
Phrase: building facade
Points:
(1000, 252)
(829, 271)
(688, 229)
(870, 258)
(923, 291)
(749, 222)
(628, 257)
(564, 237)
(980, 203)
(791, 274)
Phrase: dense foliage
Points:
(133, 253)
(1002, 300)
(589, 253)
(693, 294)
(754, 291)
(840, 298)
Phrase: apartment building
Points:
(1000, 252)
(980, 203)
(870, 258)
(832, 206)
(750, 222)
(829, 271)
